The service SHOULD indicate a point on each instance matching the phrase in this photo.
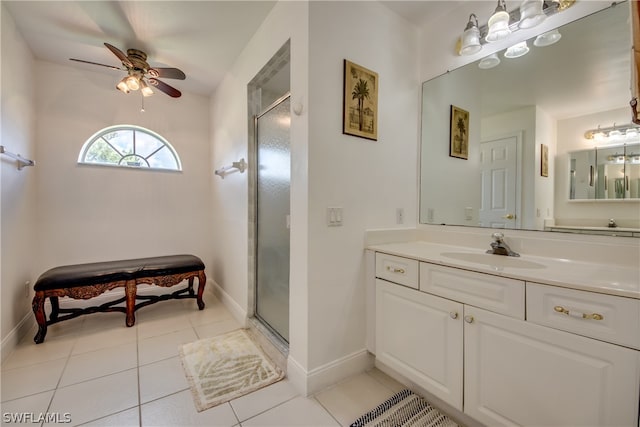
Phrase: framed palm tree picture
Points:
(360, 106)
(459, 139)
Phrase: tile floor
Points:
(102, 373)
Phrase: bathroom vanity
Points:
(510, 341)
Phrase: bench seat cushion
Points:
(70, 276)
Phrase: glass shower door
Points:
(272, 217)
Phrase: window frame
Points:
(98, 136)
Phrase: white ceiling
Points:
(202, 38)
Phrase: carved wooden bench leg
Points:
(55, 308)
(38, 309)
(191, 291)
(202, 280)
(130, 295)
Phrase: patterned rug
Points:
(404, 409)
(225, 367)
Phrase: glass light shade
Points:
(133, 83)
(498, 26)
(471, 41)
(631, 133)
(489, 62)
(145, 89)
(531, 14)
(122, 86)
(517, 50)
(615, 134)
(547, 39)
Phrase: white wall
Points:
(369, 179)
(545, 133)
(93, 213)
(18, 187)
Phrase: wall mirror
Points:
(526, 124)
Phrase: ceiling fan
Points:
(139, 74)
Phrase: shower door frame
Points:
(262, 321)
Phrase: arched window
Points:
(129, 146)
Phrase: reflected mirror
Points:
(528, 162)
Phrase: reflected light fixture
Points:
(613, 133)
(548, 38)
(498, 24)
(517, 50)
(489, 61)
(471, 37)
(531, 14)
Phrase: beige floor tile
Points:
(163, 347)
(162, 326)
(353, 397)
(261, 400)
(211, 313)
(96, 339)
(386, 380)
(97, 398)
(29, 353)
(25, 381)
(299, 411)
(217, 328)
(161, 379)
(95, 364)
(103, 321)
(128, 418)
(179, 410)
(35, 404)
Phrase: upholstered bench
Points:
(85, 281)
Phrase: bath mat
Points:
(404, 409)
(225, 367)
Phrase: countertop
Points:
(587, 276)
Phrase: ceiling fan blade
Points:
(95, 63)
(167, 73)
(120, 54)
(169, 90)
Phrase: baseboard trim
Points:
(10, 342)
(236, 310)
(317, 379)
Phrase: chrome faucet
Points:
(612, 223)
(499, 247)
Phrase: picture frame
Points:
(544, 160)
(459, 135)
(360, 101)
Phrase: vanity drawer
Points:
(396, 269)
(497, 294)
(605, 317)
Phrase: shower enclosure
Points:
(273, 179)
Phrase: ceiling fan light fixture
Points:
(122, 86)
(133, 83)
(145, 89)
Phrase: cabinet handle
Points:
(468, 319)
(592, 316)
(453, 315)
(395, 270)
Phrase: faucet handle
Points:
(497, 236)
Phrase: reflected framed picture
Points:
(459, 137)
(360, 102)
(544, 160)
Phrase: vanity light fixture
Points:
(531, 14)
(498, 24)
(502, 23)
(517, 50)
(471, 37)
(613, 133)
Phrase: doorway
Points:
(499, 169)
(273, 182)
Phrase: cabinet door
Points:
(518, 373)
(420, 336)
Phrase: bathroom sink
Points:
(490, 260)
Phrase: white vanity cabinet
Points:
(473, 346)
